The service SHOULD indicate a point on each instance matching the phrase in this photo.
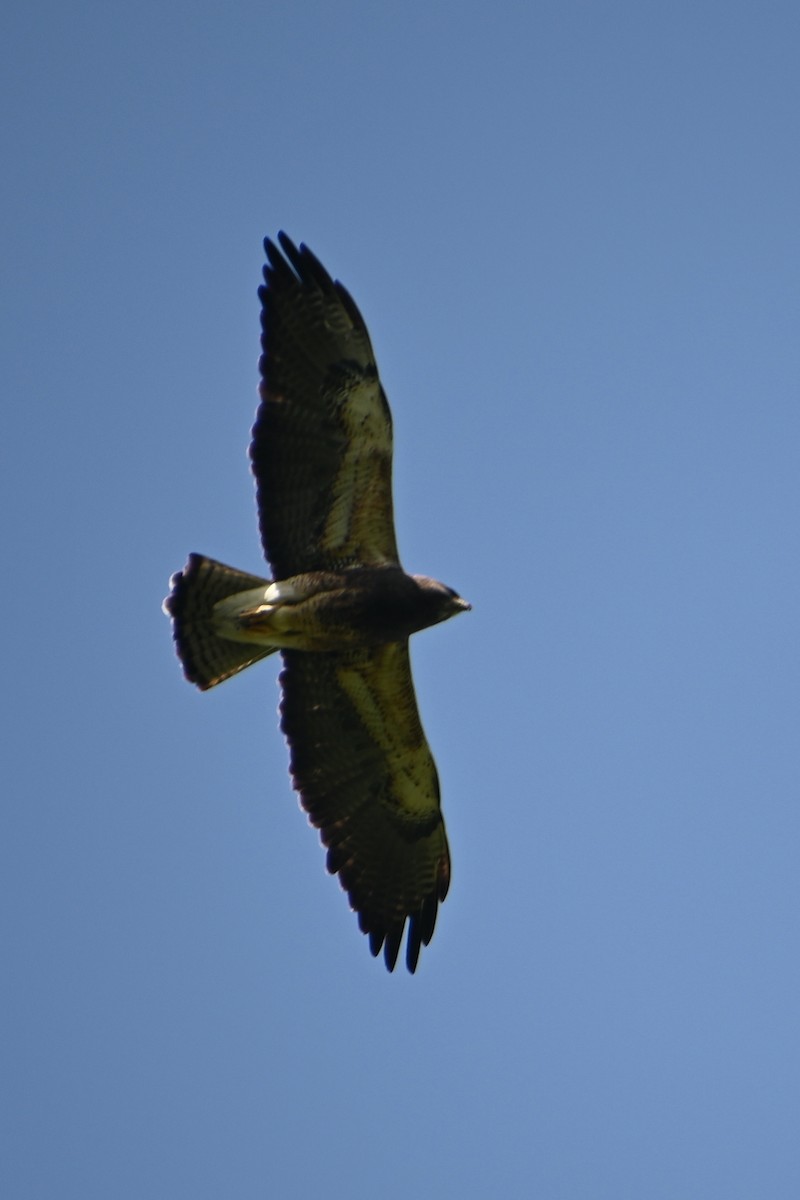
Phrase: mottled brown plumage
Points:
(341, 608)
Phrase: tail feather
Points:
(207, 658)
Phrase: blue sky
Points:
(573, 231)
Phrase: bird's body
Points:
(334, 610)
(340, 608)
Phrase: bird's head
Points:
(441, 602)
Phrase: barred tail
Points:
(207, 658)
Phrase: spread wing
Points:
(362, 766)
(322, 442)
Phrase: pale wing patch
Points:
(360, 520)
(383, 695)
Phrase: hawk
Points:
(339, 606)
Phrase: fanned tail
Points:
(207, 658)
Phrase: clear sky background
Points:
(574, 231)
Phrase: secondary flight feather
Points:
(339, 607)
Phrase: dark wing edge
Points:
(321, 448)
(366, 778)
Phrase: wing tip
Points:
(289, 264)
(420, 926)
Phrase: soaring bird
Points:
(339, 606)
